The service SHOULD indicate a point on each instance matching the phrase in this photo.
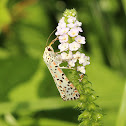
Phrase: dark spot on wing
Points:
(61, 80)
(62, 74)
(63, 96)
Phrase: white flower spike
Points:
(68, 34)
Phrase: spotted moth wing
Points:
(65, 87)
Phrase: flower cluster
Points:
(70, 41)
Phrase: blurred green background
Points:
(28, 95)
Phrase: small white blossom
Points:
(78, 23)
(63, 47)
(61, 25)
(79, 29)
(71, 25)
(74, 46)
(63, 30)
(63, 38)
(86, 62)
(73, 32)
(62, 20)
(82, 58)
(71, 19)
(81, 69)
(57, 33)
(77, 55)
(80, 39)
(66, 56)
(72, 62)
(59, 59)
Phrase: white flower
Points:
(63, 30)
(80, 39)
(57, 33)
(71, 25)
(77, 55)
(71, 19)
(72, 62)
(62, 20)
(78, 23)
(61, 25)
(73, 32)
(82, 58)
(59, 59)
(63, 38)
(79, 29)
(86, 62)
(81, 69)
(63, 47)
(66, 56)
(74, 46)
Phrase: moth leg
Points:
(57, 53)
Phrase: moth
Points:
(65, 87)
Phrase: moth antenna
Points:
(50, 36)
(53, 41)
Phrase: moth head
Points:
(49, 49)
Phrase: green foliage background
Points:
(28, 95)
